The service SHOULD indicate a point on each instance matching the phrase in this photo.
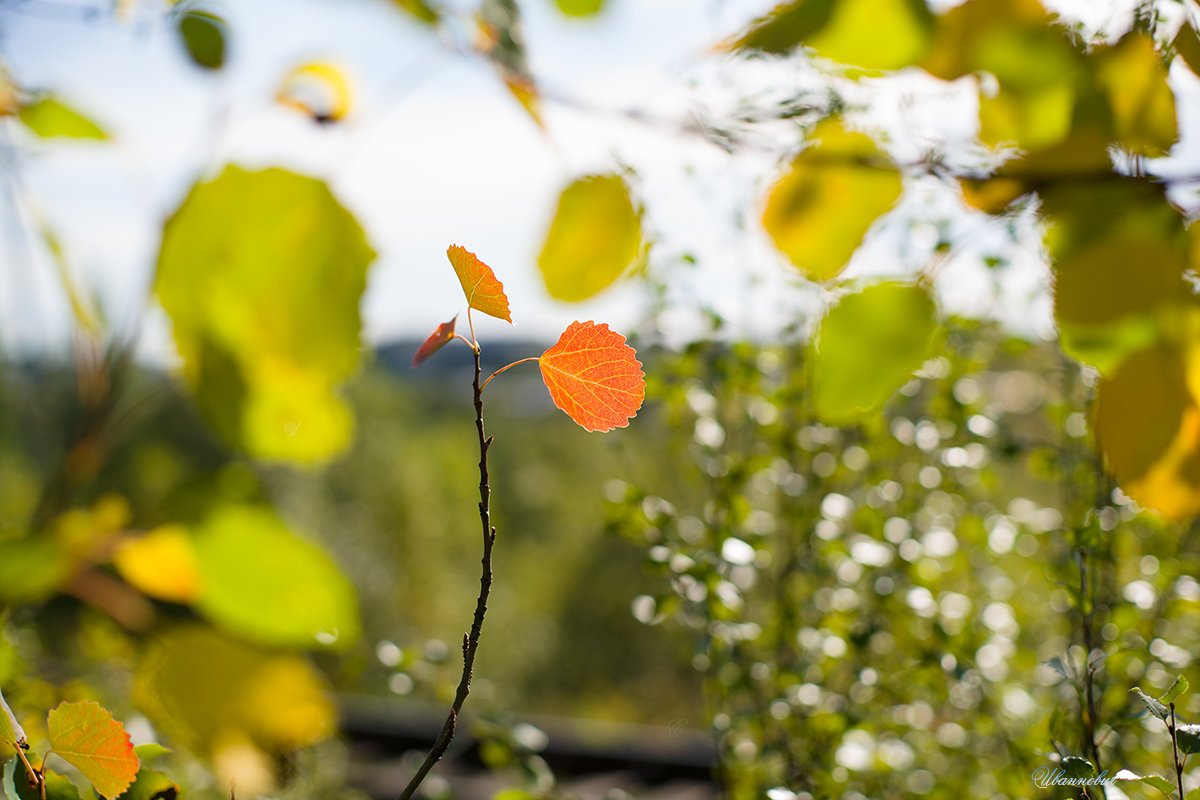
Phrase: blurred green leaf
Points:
(260, 581)
(871, 34)
(868, 346)
(152, 785)
(580, 8)
(819, 212)
(50, 118)
(594, 238)
(420, 10)
(208, 692)
(203, 34)
(1077, 768)
(262, 274)
(150, 750)
(1143, 105)
(1187, 46)
(1160, 783)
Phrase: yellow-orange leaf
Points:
(443, 334)
(594, 376)
(162, 563)
(484, 292)
(86, 736)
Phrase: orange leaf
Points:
(86, 736)
(594, 376)
(484, 293)
(443, 334)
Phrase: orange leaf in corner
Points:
(484, 292)
(86, 736)
(443, 334)
(594, 376)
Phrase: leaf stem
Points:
(506, 367)
(471, 639)
(1175, 753)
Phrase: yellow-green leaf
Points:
(1147, 425)
(595, 236)
(420, 10)
(819, 212)
(1143, 105)
(262, 274)
(86, 736)
(871, 34)
(202, 689)
(579, 8)
(161, 563)
(50, 118)
(868, 346)
(260, 581)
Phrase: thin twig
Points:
(1175, 753)
(470, 640)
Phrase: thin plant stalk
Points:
(1175, 754)
(470, 639)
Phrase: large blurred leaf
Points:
(871, 34)
(1148, 426)
(161, 563)
(49, 118)
(595, 236)
(203, 34)
(1120, 257)
(868, 346)
(1187, 46)
(259, 581)
(1034, 62)
(203, 690)
(820, 210)
(86, 736)
(1142, 102)
(262, 273)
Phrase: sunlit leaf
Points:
(161, 563)
(201, 688)
(594, 238)
(1177, 688)
(420, 10)
(1188, 738)
(1151, 438)
(435, 342)
(1143, 104)
(1160, 783)
(260, 581)
(819, 212)
(868, 346)
(203, 34)
(580, 8)
(317, 88)
(86, 736)
(1076, 767)
(49, 118)
(484, 292)
(262, 274)
(594, 376)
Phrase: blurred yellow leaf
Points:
(161, 563)
(420, 10)
(261, 274)
(1143, 104)
(205, 691)
(260, 581)
(1147, 425)
(50, 118)
(595, 236)
(867, 347)
(819, 212)
(870, 34)
(319, 89)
